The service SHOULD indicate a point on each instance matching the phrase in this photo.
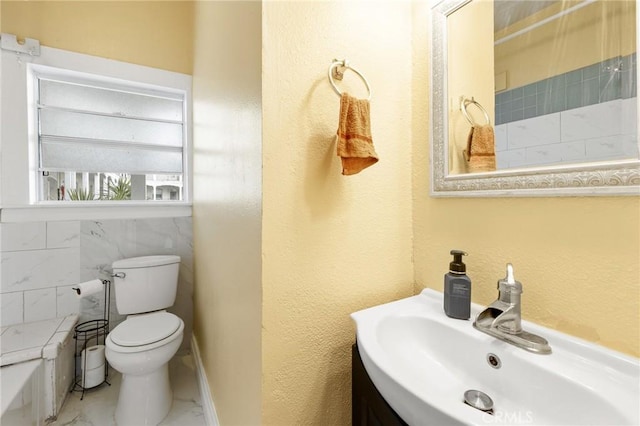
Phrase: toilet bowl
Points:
(140, 348)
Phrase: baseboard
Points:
(209, 410)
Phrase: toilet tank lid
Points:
(145, 261)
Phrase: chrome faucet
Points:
(503, 318)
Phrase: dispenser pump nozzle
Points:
(457, 266)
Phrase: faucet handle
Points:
(509, 276)
(509, 283)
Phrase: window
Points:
(104, 139)
(77, 126)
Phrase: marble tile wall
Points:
(42, 261)
(603, 131)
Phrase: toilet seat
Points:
(145, 332)
(145, 329)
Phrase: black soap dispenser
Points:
(457, 288)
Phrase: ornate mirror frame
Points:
(601, 178)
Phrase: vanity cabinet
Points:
(368, 407)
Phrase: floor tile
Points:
(99, 404)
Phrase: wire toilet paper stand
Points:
(92, 331)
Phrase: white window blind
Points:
(91, 126)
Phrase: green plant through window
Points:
(81, 194)
(117, 189)
(88, 186)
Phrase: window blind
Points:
(94, 128)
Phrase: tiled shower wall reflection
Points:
(601, 82)
(42, 261)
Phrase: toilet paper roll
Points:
(88, 287)
(93, 377)
(94, 357)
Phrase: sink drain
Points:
(479, 400)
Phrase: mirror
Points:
(550, 91)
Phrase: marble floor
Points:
(99, 404)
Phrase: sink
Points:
(423, 362)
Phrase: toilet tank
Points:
(145, 284)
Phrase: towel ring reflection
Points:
(464, 103)
(337, 69)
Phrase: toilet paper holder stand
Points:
(92, 331)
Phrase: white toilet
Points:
(142, 345)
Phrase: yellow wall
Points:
(285, 247)
(227, 205)
(332, 244)
(152, 33)
(470, 65)
(577, 257)
(589, 35)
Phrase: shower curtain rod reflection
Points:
(544, 21)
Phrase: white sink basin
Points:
(422, 362)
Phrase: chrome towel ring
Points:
(464, 103)
(337, 69)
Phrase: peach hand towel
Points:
(355, 145)
(480, 153)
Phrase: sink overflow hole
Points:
(493, 360)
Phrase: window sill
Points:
(56, 211)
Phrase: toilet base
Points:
(144, 399)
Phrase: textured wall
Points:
(227, 204)
(577, 257)
(331, 244)
(153, 33)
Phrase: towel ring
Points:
(337, 69)
(463, 107)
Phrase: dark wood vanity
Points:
(368, 407)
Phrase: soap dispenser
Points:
(457, 288)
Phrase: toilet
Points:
(141, 346)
